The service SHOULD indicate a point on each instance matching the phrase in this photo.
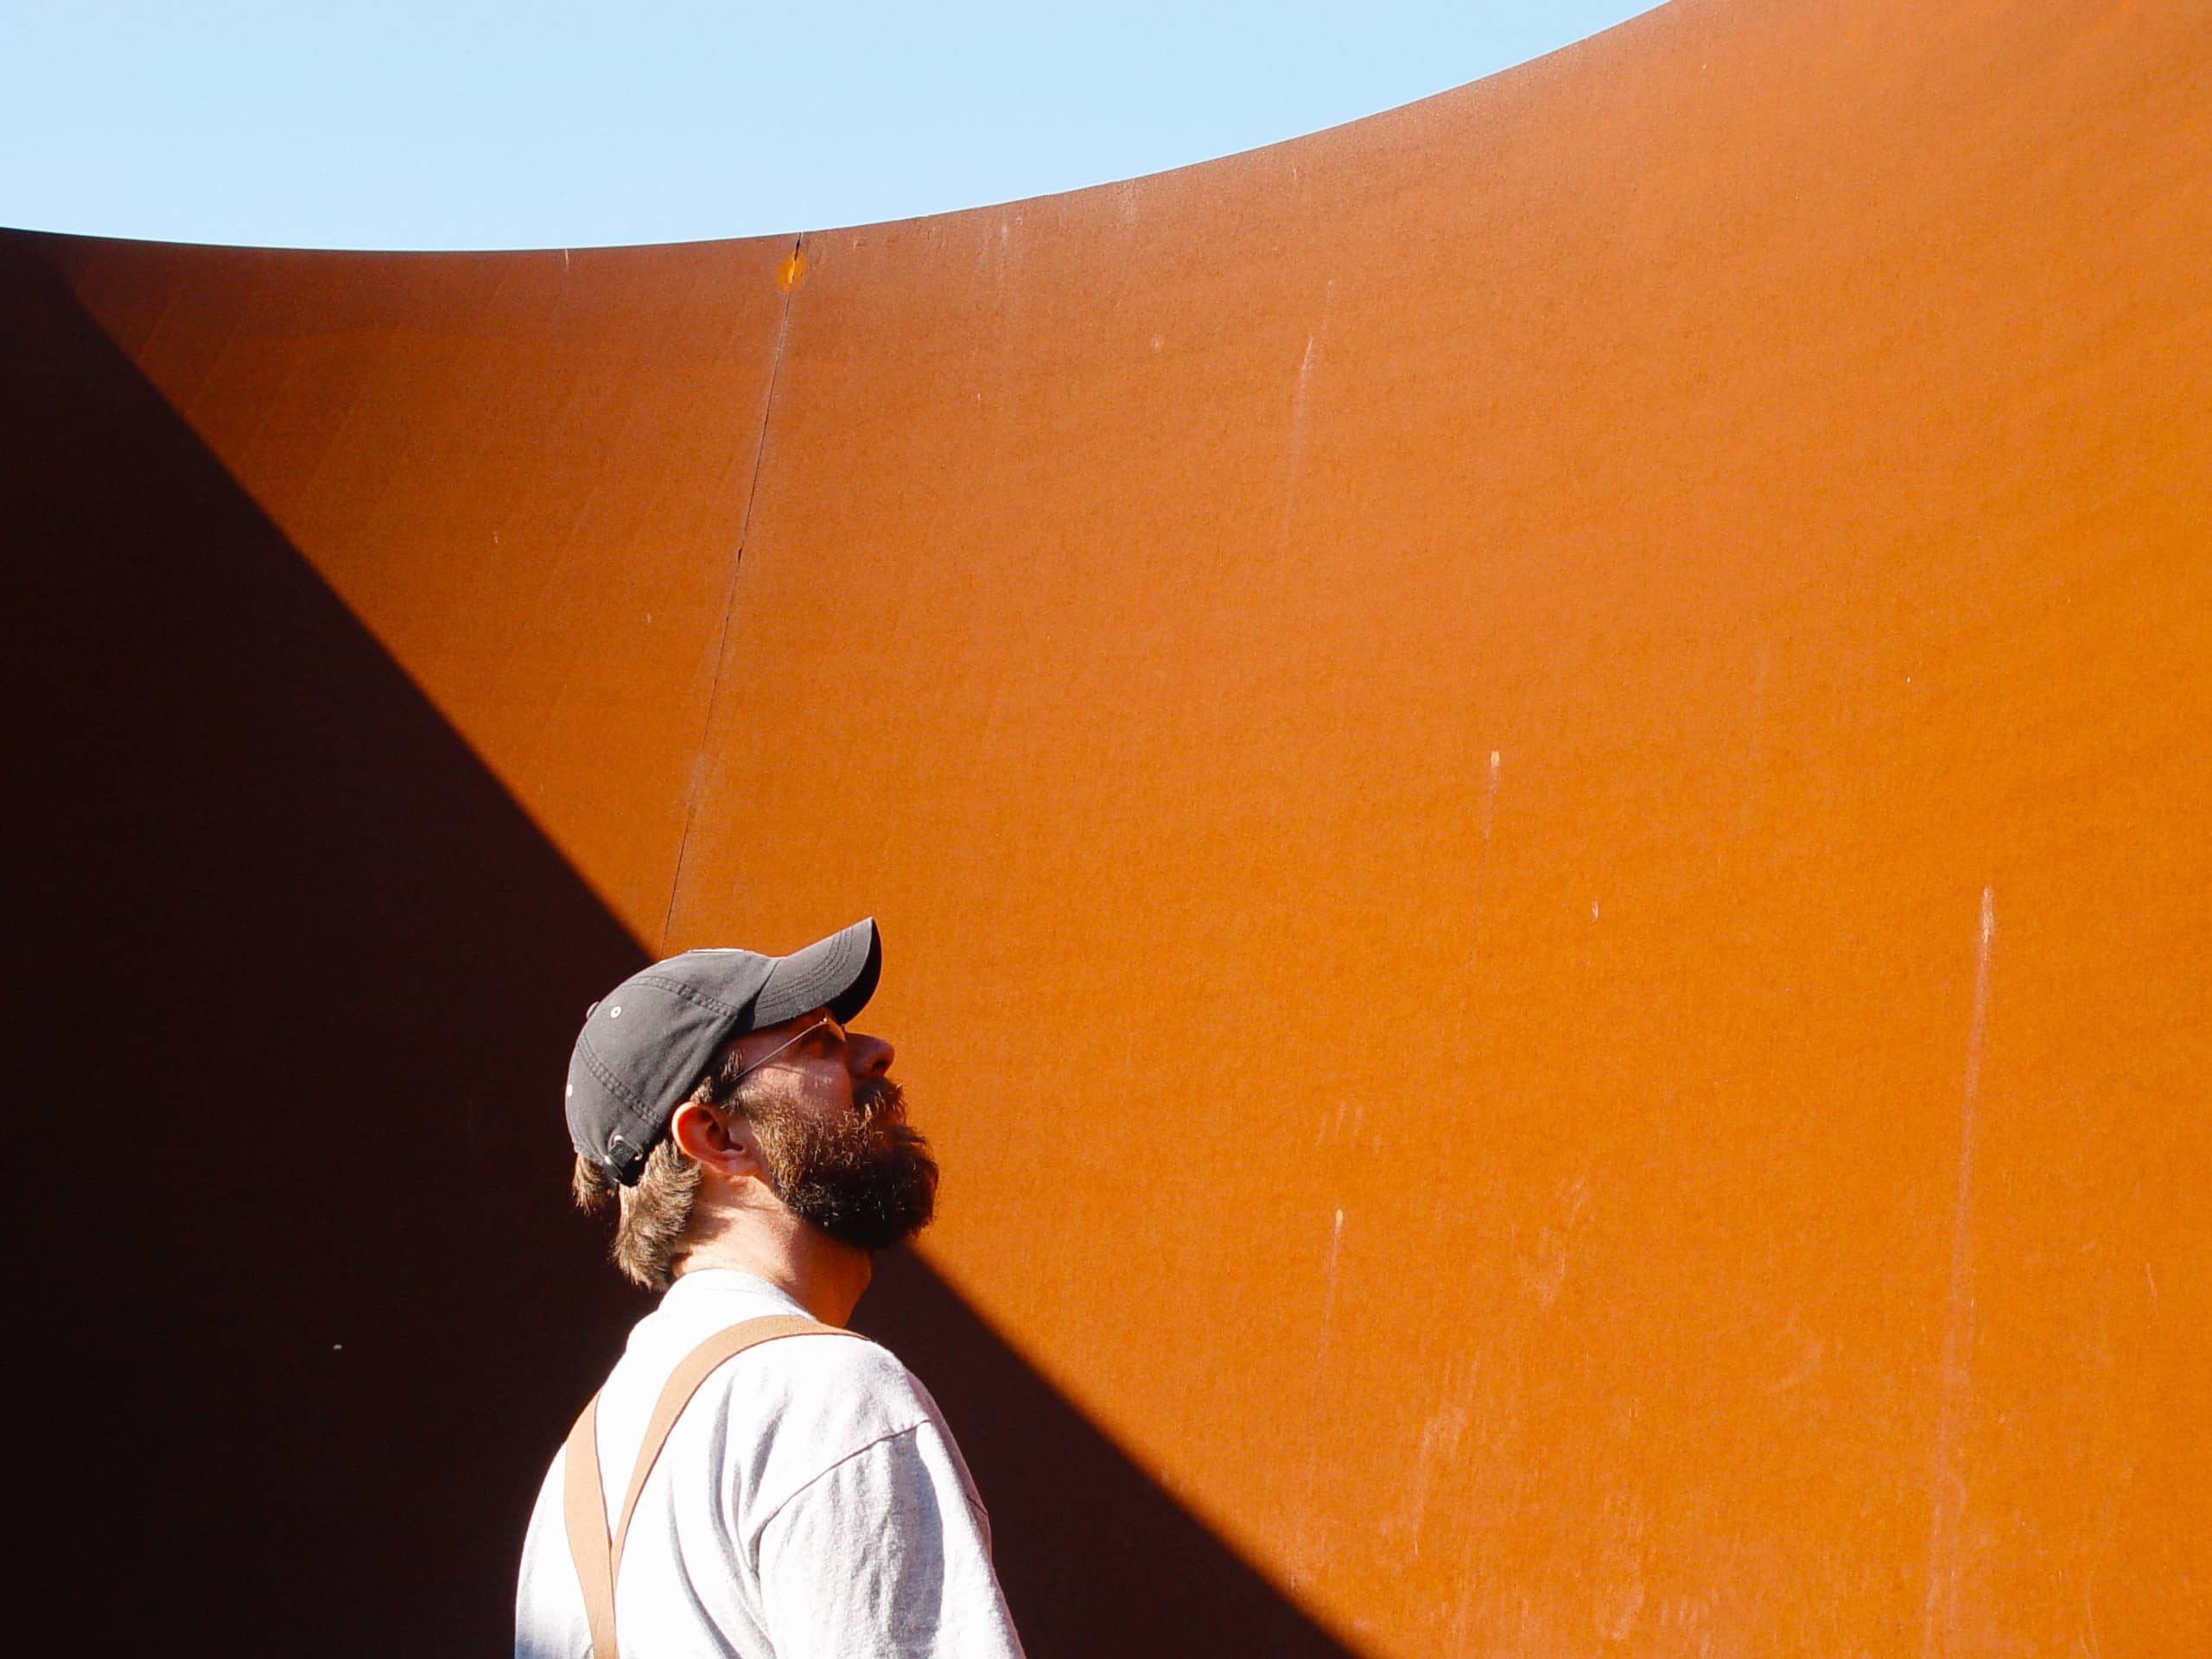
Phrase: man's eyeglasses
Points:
(825, 1023)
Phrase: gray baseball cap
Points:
(646, 1044)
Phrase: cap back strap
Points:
(584, 1494)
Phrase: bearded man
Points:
(754, 1479)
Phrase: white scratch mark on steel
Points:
(1755, 748)
(1947, 1506)
(1439, 1442)
(1302, 1553)
(1336, 1249)
(1301, 402)
(1481, 888)
(1296, 447)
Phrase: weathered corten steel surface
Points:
(1536, 770)
(525, 474)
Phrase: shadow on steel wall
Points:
(301, 1308)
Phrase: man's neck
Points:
(822, 1276)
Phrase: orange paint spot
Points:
(792, 271)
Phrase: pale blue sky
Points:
(491, 124)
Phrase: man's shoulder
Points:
(835, 1358)
(844, 1386)
(778, 1416)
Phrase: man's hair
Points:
(652, 1221)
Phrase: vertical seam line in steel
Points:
(729, 604)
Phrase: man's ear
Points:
(726, 1149)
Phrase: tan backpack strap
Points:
(598, 1559)
(583, 1505)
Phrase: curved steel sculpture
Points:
(1537, 769)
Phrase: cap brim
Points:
(838, 973)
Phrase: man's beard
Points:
(866, 1180)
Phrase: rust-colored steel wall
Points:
(524, 473)
(1535, 769)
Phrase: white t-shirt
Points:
(810, 1503)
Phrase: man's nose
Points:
(871, 1056)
